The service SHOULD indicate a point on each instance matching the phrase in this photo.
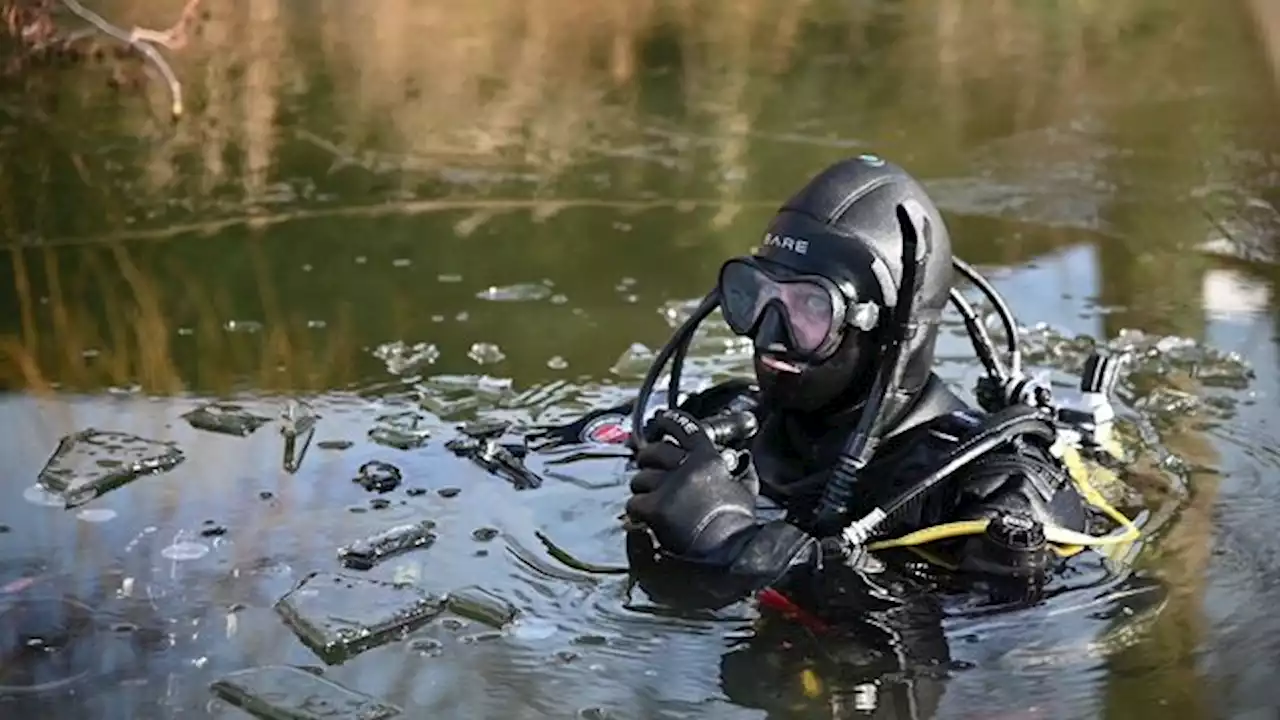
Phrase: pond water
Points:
(388, 219)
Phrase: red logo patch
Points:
(610, 429)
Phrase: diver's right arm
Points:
(704, 515)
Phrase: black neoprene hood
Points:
(842, 225)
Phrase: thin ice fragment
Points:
(282, 692)
(297, 418)
(401, 358)
(482, 606)
(634, 362)
(403, 431)
(515, 293)
(486, 353)
(225, 418)
(366, 553)
(90, 463)
(340, 616)
(377, 476)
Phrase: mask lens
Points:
(809, 313)
(745, 291)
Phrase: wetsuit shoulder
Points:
(1021, 477)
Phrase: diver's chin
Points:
(785, 393)
(782, 382)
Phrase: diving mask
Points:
(816, 310)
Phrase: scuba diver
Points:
(869, 461)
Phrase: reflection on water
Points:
(378, 221)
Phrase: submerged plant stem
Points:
(563, 556)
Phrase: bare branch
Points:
(175, 38)
(146, 49)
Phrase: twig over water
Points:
(175, 38)
(140, 39)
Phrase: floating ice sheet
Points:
(377, 476)
(403, 430)
(92, 462)
(225, 418)
(482, 606)
(364, 554)
(341, 616)
(282, 692)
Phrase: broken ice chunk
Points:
(364, 554)
(243, 326)
(341, 616)
(282, 692)
(92, 462)
(485, 428)
(486, 353)
(377, 476)
(297, 418)
(482, 606)
(518, 292)
(225, 418)
(451, 395)
(503, 459)
(402, 431)
(486, 385)
(401, 358)
(634, 362)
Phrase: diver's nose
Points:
(772, 335)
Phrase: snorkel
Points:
(675, 350)
(833, 508)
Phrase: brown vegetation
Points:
(31, 35)
(537, 86)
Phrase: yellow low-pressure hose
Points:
(1066, 542)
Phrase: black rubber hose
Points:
(1020, 422)
(981, 339)
(677, 368)
(1002, 309)
(678, 340)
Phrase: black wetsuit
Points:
(874, 638)
(792, 457)
(845, 290)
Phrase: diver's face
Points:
(802, 386)
(806, 354)
(807, 312)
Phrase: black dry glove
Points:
(687, 494)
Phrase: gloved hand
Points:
(686, 493)
(684, 585)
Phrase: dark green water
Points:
(355, 182)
